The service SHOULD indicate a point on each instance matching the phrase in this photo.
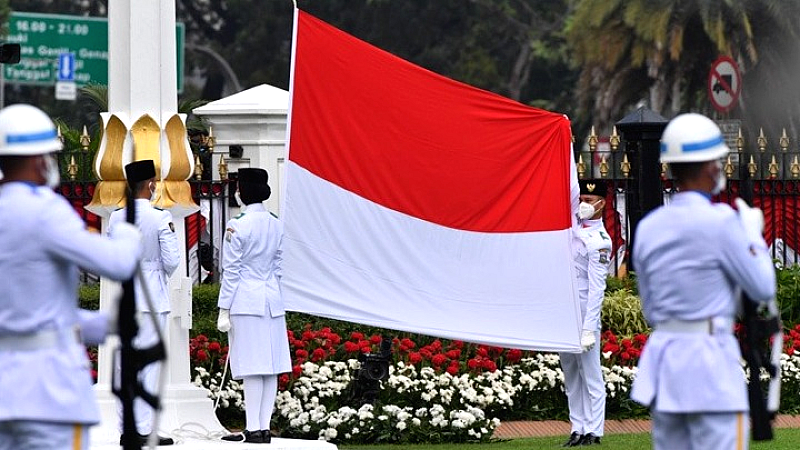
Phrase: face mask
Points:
(721, 181)
(586, 210)
(238, 199)
(52, 177)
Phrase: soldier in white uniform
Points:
(251, 306)
(583, 375)
(160, 258)
(46, 395)
(692, 258)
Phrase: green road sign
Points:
(43, 37)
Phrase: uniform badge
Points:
(603, 256)
(172, 227)
(229, 234)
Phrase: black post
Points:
(641, 135)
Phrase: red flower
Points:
(514, 355)
(453, 369)
(351, 347)
(454, 353)
(438, 359)
(214, 347)
(489, 365)
(297, 370)
(317, 355)
(356, 336)
(201, 355)
(299, 344)
(308, 335)
(625, 356)
(414, 358)
(408, 343)
(301, 353)
(473, 363)
(426, 353)
(375, 339)
(482, 351)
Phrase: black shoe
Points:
(574, 440)
(254, 437)
(266, 436)
(589, 439)
(143, 438)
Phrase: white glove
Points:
(224, 320)
(587, 340)
(752, 218)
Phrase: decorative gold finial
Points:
(592, 140)
(614, 139)
(784, 141)
(740, 141)
(581, 167)
(625, 166)
(210, 140)
(664, 168)
(795, 167)
(223, 168)
(751, 166)
(72, 168)
(604, 166)
(198, 168)
(729, 167)
(762, 140)
(85, 139)
(773, 167)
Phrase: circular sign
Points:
(724, 84)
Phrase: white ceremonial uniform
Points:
(691, 257)
(160, 258)
(583, 375)
(251, 272)
(45, 375)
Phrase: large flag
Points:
(417, 203)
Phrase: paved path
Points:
(521, 429)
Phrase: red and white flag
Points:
(415, 202)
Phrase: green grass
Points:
(785, 439)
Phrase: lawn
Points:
(785, 439)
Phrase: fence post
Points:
(641, 134)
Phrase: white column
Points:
(142, 81)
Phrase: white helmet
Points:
(692, 138)
(26, 130)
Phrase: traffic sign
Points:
(66, 90)
(45, 37)
(724, 84)
(66, 67)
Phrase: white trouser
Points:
(30, 435)
(586, 389)
(695, 431)
(149, 374)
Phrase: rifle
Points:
(133, 360)
(761, 325)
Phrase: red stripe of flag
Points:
(422, 144)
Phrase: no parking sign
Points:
(724, 84)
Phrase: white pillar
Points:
(142, 117)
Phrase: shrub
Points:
(622, 313)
